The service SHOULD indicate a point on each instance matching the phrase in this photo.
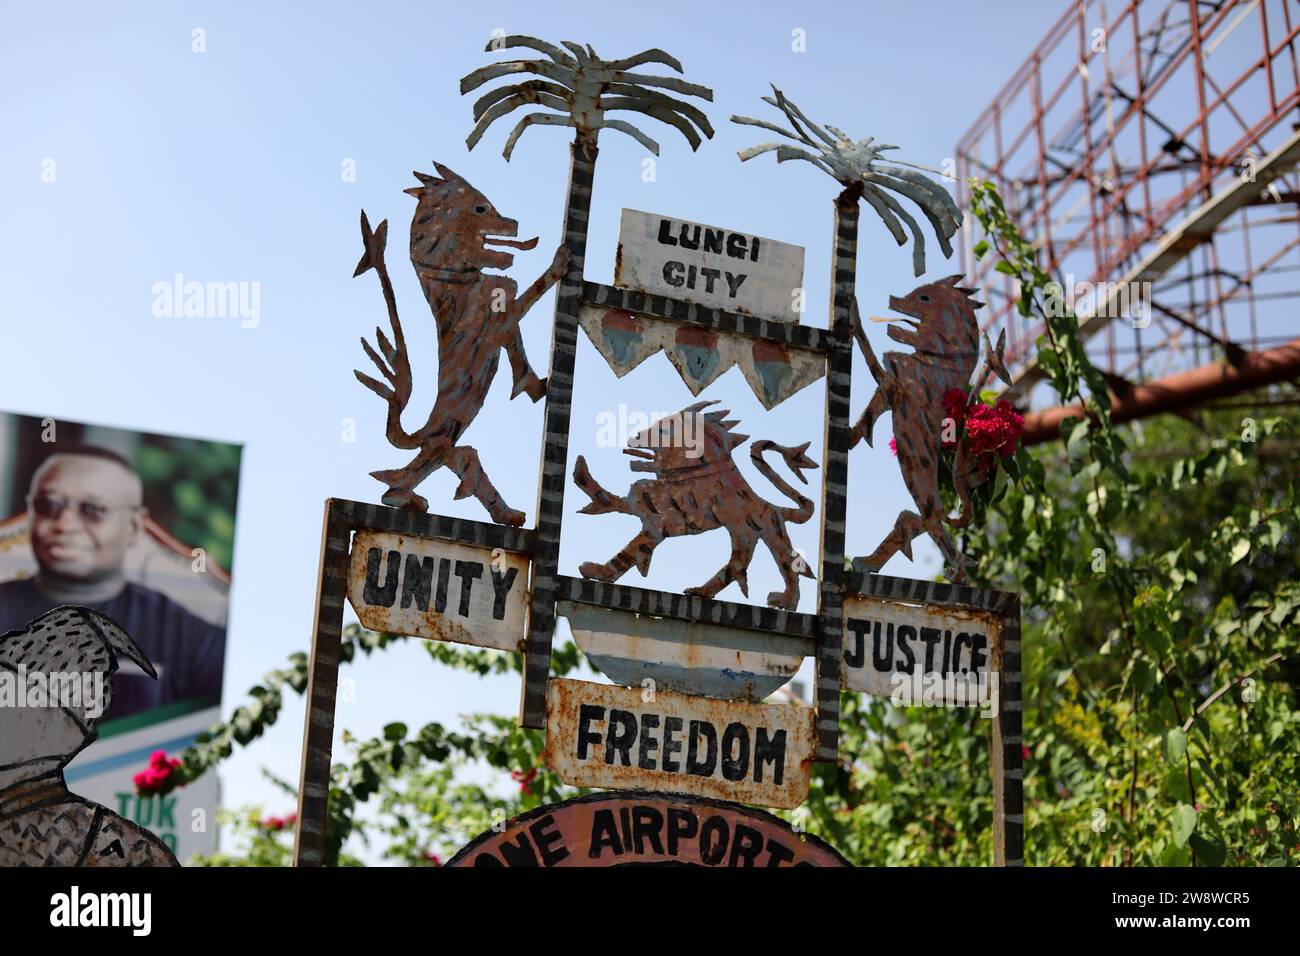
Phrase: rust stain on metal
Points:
(945, 339)
(439, 590)
(697, 487)
(452, 231)
(614, 737)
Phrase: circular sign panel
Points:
(638, 828)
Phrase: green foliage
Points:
(1150, 583)
(191, 487)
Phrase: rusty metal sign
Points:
(715, 267)
(598, 735)
(440, 590)
(688, 657)
(645, 829)
(918, 654)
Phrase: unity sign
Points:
(688, 718)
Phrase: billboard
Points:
(139, 527)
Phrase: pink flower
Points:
(525, 780)
(157, 778)
(273, 823)
(432, 858)
(893, 446)
(1025, 752)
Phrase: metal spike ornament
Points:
(859, 165)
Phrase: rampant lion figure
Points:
(697, 487)
(477, 314)
(945, 339)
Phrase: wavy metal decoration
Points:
(859, 165)
(700, 355)
(582, 88)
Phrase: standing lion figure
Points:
(697, 487)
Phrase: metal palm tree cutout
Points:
(859, 165)
(582, 88)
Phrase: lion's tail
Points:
(602, 502)
(796, 460)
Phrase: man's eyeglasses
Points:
(47, 506)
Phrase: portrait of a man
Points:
(86, 509)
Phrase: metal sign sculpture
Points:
(478, 316)
(62, 664)
(686, 712)
(697, 487)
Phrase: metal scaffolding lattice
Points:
(1151, 154)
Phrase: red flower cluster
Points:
(157, 777)
(525, 780)
(279, 823)
(432, 858)
(994, 430)
(991, 429)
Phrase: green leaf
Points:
(980, 248)
(1183, 820)
(1239, 550)
(1006, 268)
(1175, 744)
(1209, 850)
(395, 731)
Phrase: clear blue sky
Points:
(226, 166)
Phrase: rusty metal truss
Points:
(1150, 141)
